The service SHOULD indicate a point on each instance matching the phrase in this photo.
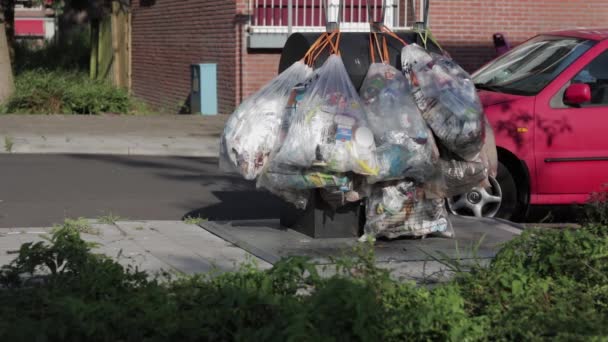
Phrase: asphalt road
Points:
(41, 190)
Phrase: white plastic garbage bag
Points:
(406, 148)
(447, 99)
(330, 129)
(252, 131)
(400, 209)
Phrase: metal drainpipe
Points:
(243, 21)
(289, 17)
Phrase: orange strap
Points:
(392, 34)
(321, 42)
(327, 41)
(317, 48)
(336, 45)
(385, 48)
(372, 53)
(382, 51)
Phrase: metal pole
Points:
(289, 16)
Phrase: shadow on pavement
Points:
(240, 205)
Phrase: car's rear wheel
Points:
(498, 200)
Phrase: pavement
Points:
(157, 135)
(154, 246)
(179, 248)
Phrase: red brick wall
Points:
(258, 67)
(170, 35)
(465, 27)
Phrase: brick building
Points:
(244, 37)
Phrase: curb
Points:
(153, 146)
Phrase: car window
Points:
(595, 74)
(531, 66)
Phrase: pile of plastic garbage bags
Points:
(406, 141)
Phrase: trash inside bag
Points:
(461, 176)
(294, 184)
(447, 100)
(489, 154)
(295, 178)
(329, 129)
(405, 147)
(278, 187)
(400, 209)
(252, 131)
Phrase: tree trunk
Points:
(7, 13)
(6, 72)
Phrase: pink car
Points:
(547, 100)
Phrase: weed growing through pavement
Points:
(80, 225)
(8, 144)
(194, 220)
(109, 219)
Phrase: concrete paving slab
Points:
(474, 238)
(153, 246)
(190, 238)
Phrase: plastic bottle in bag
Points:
(329, 129)
(251, 133)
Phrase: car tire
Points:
(510, 208)
(500, 200)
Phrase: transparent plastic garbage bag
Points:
(293, 184)
(405, 147)
(461, 176)
(400, 209)
(252, 131)
(489, 155)
(447, 99)
(329, 129)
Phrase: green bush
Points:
(60, 92)
(544, 285)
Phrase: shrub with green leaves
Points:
(60, 92)
(543, 285)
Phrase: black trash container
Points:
(354, 49)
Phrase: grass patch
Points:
(194, 220)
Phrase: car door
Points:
(571, 142)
